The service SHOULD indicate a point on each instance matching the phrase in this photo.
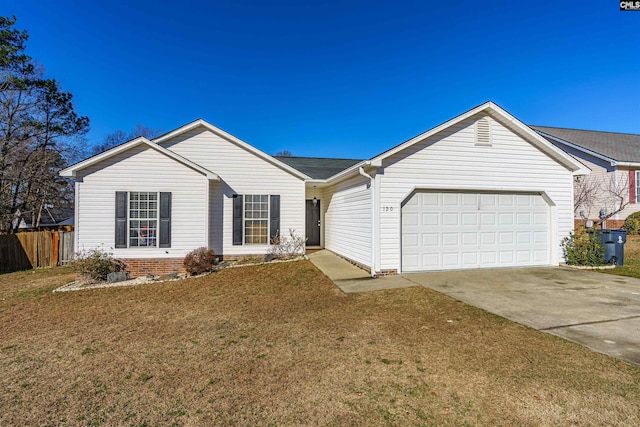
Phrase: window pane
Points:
(143, 214)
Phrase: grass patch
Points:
(631, 267)
(281, 345)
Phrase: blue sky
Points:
(337, 78)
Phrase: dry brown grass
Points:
(280, 345)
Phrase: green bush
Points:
(96, 264)
(632, 223)
(200, 261)
(583, 249)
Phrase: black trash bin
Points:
(619, 238)
(609, 246)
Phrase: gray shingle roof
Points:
(317, 167)
(623, 147)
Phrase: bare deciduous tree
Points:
(38, 132)
(603, 197)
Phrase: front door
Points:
(313, 223)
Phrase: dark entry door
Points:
(313, 223)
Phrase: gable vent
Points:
(483, 132)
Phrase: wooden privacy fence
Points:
(33, 249)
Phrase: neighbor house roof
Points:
(318, 167)
(621, 147)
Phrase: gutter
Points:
(373, 212)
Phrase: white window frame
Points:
(637, 200)
(245, 218)
(156, 219)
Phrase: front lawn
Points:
(281, 345)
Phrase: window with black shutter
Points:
(143, 219)
(256, 218)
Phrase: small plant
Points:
(632, 223)
(583, 249)
(95, 265)
(287, 247)
(200, 261)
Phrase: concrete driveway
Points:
(597, 310)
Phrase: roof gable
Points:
(503, 116)
(227, 136)
(611, 146)
(72, 170)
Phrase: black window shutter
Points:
(274, 217)
(237, 219)
(164, 238)
(121, 219)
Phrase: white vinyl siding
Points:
(451, 160)
(141, 169)
(347, 218)
(240, 172)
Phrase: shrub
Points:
(583, 249)
(96, 264)
(200, 261)
(632, 223)
(287, 247)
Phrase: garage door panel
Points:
(411, 240)
(432, 219)
(431, 239)
(450, 199)
(469, 239)
(450, 260)
(449, 239)
(474, 230)
(469, 219)
(488, 219)
(450, 218)
(410, 219)
(431, 261)
(470, 259)
(487, 238)
(523, 219)
(470, 200)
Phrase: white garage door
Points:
(447, 231)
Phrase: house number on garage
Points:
(387, 209)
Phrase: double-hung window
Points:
(637, 187)
(143, 219)
(256, 219)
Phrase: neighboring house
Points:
(614, 160)
(51, 217)
(481, 190)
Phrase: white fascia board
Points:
(628, 164)
(71, 171)
(200, 122)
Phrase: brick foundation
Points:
(137, 267)
(610, 223)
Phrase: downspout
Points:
(373, 212)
